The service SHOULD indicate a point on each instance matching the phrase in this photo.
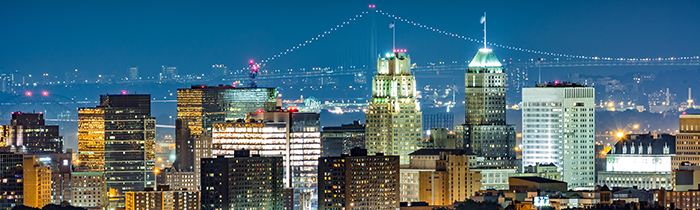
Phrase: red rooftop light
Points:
(28, 93)
(45, 93)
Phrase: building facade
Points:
(12, 190)
(687, 139)
(242, 182)
(117, 137)
(358, 181)
(451, 181)
(200, 106)
(559, 127)
(340, 140)
(394, 117)
(485, 131)
(28, 133)
(37, 183)
(87, 189)
(294, 136)
(643, 161)
(163, 199)
(178, 179)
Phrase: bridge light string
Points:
(410, 22)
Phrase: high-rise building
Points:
(451, 181)
(37, 183)
(394, 116)
(340, 140)
(117, 137)
(163, 198)
(12, 190)
(134, 73)
(559, 127)
(485, 131)
(686, 140)
(87, 189)
(295, 136)
(28, 133)
(200, 106)
(438, 120)
(358, 181)
(242, 182)
(219, 70)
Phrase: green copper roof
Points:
(485, 58)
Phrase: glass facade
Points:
(91, 142)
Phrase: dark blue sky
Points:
(106, 37)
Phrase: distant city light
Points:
(28, 93)
(45, 93)
(123, 92)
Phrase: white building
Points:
(559, 127)
(294, 136)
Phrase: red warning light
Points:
(259, 111)
(251, 61)
(45, 93)
(28, 93)
(292, 109)
(123, 92)
(255, 68)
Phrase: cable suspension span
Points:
(410, 22)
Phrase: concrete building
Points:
(451, 181)
(27, 133)
(394, 117)
(493, 178)
(87, 189)
(11, 177)
(485, 131)
(163, 198)
(242, 182)
(358, 181)
(178, 179)
(294, 136)
(200, 106)
(117, 137)
(37, 183)
(547, 171)
(340, 140)
(687, 140)
(424, 160)
(559, 127)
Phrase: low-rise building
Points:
(163, 198)
(87, 189)
(451, 181)
(178, 179)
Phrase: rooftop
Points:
(485, 58)
(538, 179)
(437, 152)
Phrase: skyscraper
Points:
(358, 181)
(559, 127)
(118, 138)
(340, 140)
(242, 182)
(200, 106)
(394, 117)
(28, 133)
(485, 131)
(295, 136)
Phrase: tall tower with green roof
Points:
(485, 130)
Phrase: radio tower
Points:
(253, 73)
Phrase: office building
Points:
(200, 106)
(28, 133)
(441, 138)
(11, 178)
(37, 183)
(242, 182)
(87, 189)
(117, 137)
(687, 139)
(685, 200)
(439, 120)
(393, 117)
(559, 127)
(294, 136)
(451, 181)
(134, 73)
(61, 165)
(358, 181)
(178, 179)
(163, 198)
(642, 161)
(340, 140)
(485, 131)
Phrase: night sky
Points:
(106, 37)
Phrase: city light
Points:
(45, 93)
(620, 134)
(28, 93)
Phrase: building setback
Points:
(559, 127)
(242, 182)
(394, 116)
(358, 181)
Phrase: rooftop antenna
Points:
(393, 26)
(483, 22)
